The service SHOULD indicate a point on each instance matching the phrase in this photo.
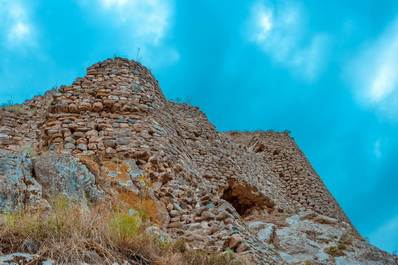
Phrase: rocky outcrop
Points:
(318, 238)
(112, 134)
(64, 174)
(18, 187)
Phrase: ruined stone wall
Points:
(100, 113)
(116, 118)
(118, 111)
(20, 125)
(284, 157)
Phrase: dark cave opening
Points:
(245, 198)
(237, 200)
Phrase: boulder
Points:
(65, 174)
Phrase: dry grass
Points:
(17, 108)
(71, 233)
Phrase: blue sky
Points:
(327, 71)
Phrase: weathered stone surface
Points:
(242, 247)
(85, 106)
(19, 258)
(73, 108)
(125, 174)
(174, 213)
(223, 215)
(64, 174)
(69, 146)
(123, 141)
(17, 184)
(97, 107)
(82, 147)
(109, 143)
(267, 234)
(235, 241)
(216, 186)
(175, 225)
(306, 239)
(206, 215)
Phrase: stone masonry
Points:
(117, 121)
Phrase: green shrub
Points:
(331, 250)
(341, 246)
(124, 227)
(29, 150)
(336, 250)
(15, 108)
(347, 239)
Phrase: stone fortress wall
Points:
(305, 188)
(209, 182)
(20, 125)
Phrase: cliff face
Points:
(254, 193)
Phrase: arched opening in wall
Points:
(245, 198)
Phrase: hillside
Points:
(112, 140)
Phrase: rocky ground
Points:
(112, 134)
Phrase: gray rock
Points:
(156, 231)
(310, 235)
(70, 140)
(110, 143)
(20, 258)
(17, 184)
(66, 175)
(82, 147)
(69, 146)
(4, 136)
(267, 234)
(174, 213)
(123, 141)
(257, 225)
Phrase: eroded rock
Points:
(17, 185)
(64, 174)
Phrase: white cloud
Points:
(147, 20)
(137, 24)
(373, 73)
(16, 27)
(281, 32)
(109, 3)
(264, 23)
(18, 32)
(311, 59)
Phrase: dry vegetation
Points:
(73, 233)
